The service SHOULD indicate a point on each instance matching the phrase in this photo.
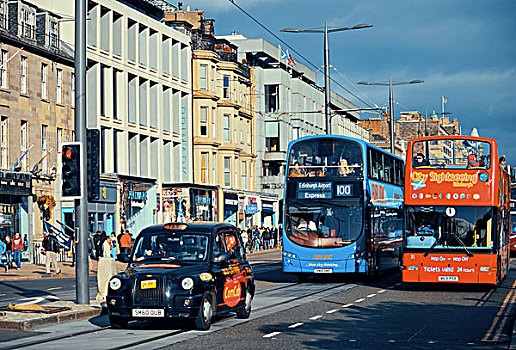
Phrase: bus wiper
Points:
(432, 247)
(468, 252)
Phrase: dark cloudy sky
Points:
(464, 50)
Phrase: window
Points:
(143, 102)
(271, 98)
(23, 75)
(242, 131)
(236, 173)
(204, 121)
(212, 79)
(73, 91)
(213, 125)
(235, 129)
(24, 143)
(103, 160)
(227, 135)
(59, 85)
(116, 73)
(3, 143)
(271, 137)
(204, 167)
(244, 175)
(225, 87)
(203, 76)
(227, 171)
(102, 90)
(3, 69)
(44, 69)
(131, 100)
(44, 148)
(59, 139)
(115, 151)
(234, 90)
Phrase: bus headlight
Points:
(115, 283)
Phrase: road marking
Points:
(397, 284)
(55, 288)
(1, 295)
(35, 300)
(332, 311)
(51, 297)
(359, 300)
(499, 315)
(315, 317)
(371, 295)
(347, 305)
(295, 325)
(381, 291)
(270, 335)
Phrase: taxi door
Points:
(228, 274)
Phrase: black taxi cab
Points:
(192, 271)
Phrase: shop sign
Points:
(203, 200)
(138, 196)
(251, 208)
(18, 184)
(230, 200)
(107, 193)
(268, 206)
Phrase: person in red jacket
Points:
(17, 249)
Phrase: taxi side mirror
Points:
(123, 257)
(223, 257)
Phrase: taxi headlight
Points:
(187, 283)
(115, 283)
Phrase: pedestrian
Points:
(9, 251)
(113, 245)
(17, 245)
(275, 242)
(106, 267)
(125, 242)
(96, 243)
(256, 238)
(245, 239)
(3, 247)
(51, 246)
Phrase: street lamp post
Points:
(327, 91)
(391, 102)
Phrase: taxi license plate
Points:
(148, 313)
(323, 270)
(149, 284)
(448, 278)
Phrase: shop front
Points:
(268, 214)
(251, 208)
(137, 204)
(231, 208)
(187, 203)
(102, 212)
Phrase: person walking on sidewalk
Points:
(113, 245)
(106, 268)
(51, 246)
(9, 251)
(17, 249)
(2, 250)
(125, 243)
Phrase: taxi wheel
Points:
(118, 322)
(245, 312)
(203, 320)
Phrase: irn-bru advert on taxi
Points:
(461, 187)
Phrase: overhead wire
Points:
(295, 51)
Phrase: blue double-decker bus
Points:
(343, 207)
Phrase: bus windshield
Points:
(323, 225)
(325, 157)
(451, 154)
(449, 227)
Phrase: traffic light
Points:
(71, 170)
(92, 163)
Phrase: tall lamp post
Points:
(391, 106)
(327, 111)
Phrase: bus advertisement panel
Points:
(456, 214)
(331, 205)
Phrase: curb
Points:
(27, 321)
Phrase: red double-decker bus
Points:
(457, 211)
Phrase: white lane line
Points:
(359, 300)
(55, 288)
(1, 295)
(381, 291)
(371, 295)
(332, 311)
(347, 305)
(270, 335)
(315, 317)
(295, 325)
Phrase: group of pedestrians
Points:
(98, 249)
(12, 247)
(263, 238)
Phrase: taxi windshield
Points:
(172, 246)
(451, 154)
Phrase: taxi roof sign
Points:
(175, 226)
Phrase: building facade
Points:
(36, 109)
(289, 105)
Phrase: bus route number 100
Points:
(344, 190)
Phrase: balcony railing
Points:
(203, 43)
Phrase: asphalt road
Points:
(330, 313)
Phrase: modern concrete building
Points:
(289, 105)
(36, 111)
